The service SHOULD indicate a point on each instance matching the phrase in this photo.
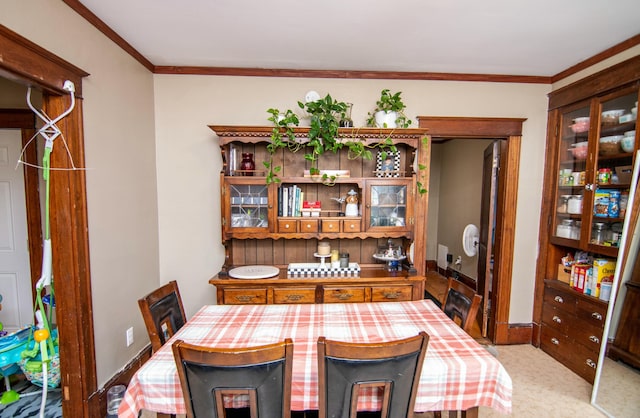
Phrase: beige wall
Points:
(121, 175)
(459, 197)
(190, 239)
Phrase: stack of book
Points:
(290, 200)
(311, 208)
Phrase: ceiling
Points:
(505, 37)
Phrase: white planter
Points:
(386, 119)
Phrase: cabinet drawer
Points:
(560, 299)
(287, 225)
(294, 295)
(587, 335)
(351, 225)
(245, 296)
(330, 225)
(575, 356)
(343, 294)
(555, 342)
(310, 225)
(591, 312)
(556, 318)
(391, 294)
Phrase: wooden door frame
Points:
(26, 63)
(509, 130)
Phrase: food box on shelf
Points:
(603, 270)
(564, 273)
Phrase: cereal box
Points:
(603, 269)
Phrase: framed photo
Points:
(388, 164)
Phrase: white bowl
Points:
(628, 143)
(616, 113)
(612, 138)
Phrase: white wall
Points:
(121, 176)
(189, 162)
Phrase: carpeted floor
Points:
(29, 406)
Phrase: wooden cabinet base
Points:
(374, 285)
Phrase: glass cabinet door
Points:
(573, 170)
(616, 143)
(248, 205)
(388, 205)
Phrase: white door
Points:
(15, 276)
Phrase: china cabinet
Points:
(591, 139)
(282, 223)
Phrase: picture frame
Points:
(388, 166)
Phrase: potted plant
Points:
(389, 111)
(323, 136)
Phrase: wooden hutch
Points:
(257, 231)
(586, 119)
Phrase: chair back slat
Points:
(461, 304)
(163, 313)
(394, 367)
(259, 376)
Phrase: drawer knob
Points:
(594, 339)
(596, 315)
(345, 296)
(559, 299)
(294, 298)
(591, 363)
(286, 226)
(308, 226)
(351, 226)
(392, 295)
(244, 298)
(557, 319)
(555, 341)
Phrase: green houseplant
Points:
(389, 111)
(323, 136)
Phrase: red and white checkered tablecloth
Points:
(458, 373)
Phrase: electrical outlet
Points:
(129, 336)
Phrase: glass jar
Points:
(599, 233)
(562, 204)
(563, 230)
(247, 165)
(344, 260)
(574, 204)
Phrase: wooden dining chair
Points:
(163, 313)
(461, 304)
(211, 375)
(394, 367)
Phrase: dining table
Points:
(458, 373)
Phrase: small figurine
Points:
(352, 203)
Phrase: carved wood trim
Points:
(504, 128)
(24, 61)
(27, 63)
(596, 84)
(607, 53)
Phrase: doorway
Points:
(28, 64)
(509, 131)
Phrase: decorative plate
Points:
(311, 96)
(254, 272)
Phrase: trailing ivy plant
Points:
(323, 136)
(390, 102)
